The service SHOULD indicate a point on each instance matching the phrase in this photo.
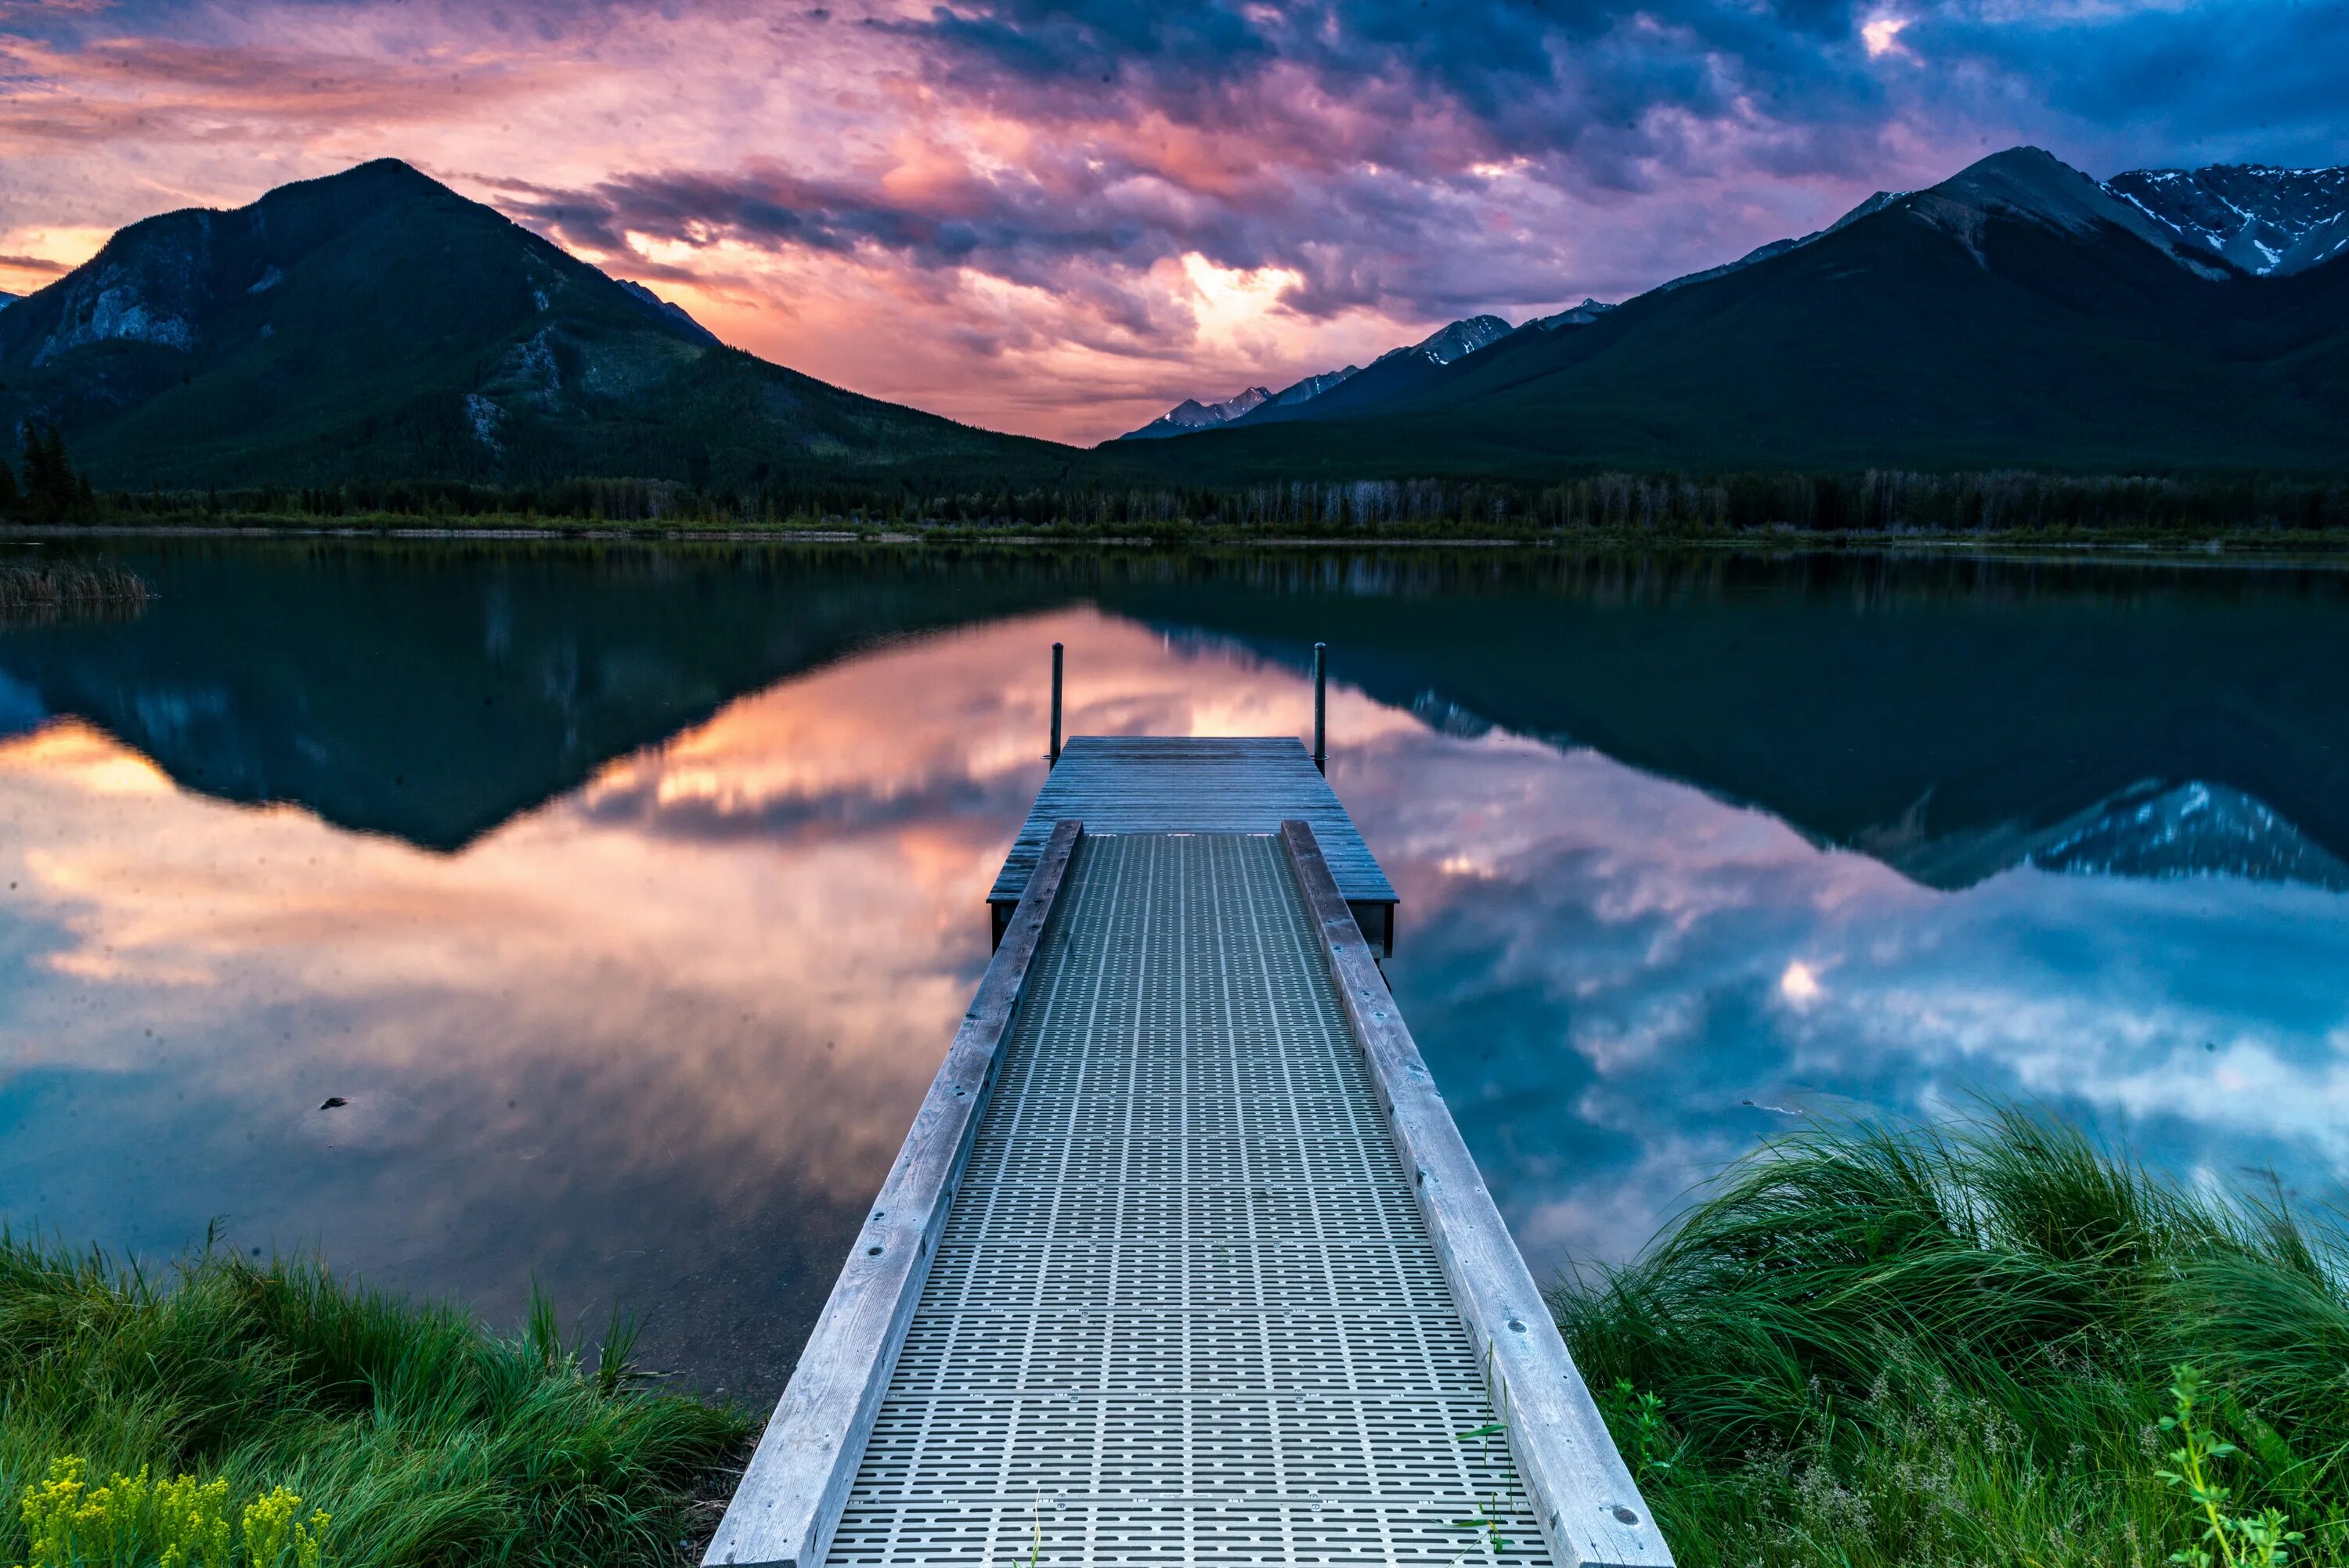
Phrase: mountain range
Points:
(376, 325)
(2019, 311)
(2018, 314)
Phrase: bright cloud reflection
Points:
(660, 1037)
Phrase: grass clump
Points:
(46, 593)
(1993, 1343)
(296, 1420)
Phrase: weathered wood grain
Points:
(1590, 1509)
(789, 1498)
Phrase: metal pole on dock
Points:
(1054, 760)
(1322, 707)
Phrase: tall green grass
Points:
(1872, 1345)
(427, 1441)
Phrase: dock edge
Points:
(791, 1496)
(1590, 1509)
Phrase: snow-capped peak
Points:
(1445, 346)
(1191, 415)
(2268, 221)
(1456, 341)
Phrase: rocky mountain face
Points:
(1457, 341)
(375, 323)
(2269, 222)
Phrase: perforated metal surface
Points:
(1185, 1311)
(1193, 784)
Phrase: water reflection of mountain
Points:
(1949, 715)
(1952, 717)
(2156, 831)
(433, 692)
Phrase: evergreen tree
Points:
(58, 501)
(10, 502)
(36, 467)
(53, 492)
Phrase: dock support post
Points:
(1054, 759)
(1321, 707)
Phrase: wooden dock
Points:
(1120, 784)
(1183, 1260)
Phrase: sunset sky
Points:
(1059, 220)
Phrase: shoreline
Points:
(2235, 547)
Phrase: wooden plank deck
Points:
(1185, 784)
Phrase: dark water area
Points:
(626, 897)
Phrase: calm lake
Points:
(626, 897)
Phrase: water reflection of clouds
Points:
(1621, 981)
(661, 1037)
(670, 1026)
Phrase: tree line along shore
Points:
(1862, 503)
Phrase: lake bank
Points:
(2243, 543)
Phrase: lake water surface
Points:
(626, 897)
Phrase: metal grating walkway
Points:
(1193, 784)
(1185, 1309)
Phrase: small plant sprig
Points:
(1653, 1453)
(2244, 1541)
(1486, 1520)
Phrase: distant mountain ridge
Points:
(1191, 415)
(375, 323)
(2018, 314)
(1453, 341)
(2216, 223)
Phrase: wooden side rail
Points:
(1590, 1510)
(791, 1497)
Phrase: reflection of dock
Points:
(1184, 1260)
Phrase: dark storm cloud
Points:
(2245, 82)
(1516, 78)
(1017, 226)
